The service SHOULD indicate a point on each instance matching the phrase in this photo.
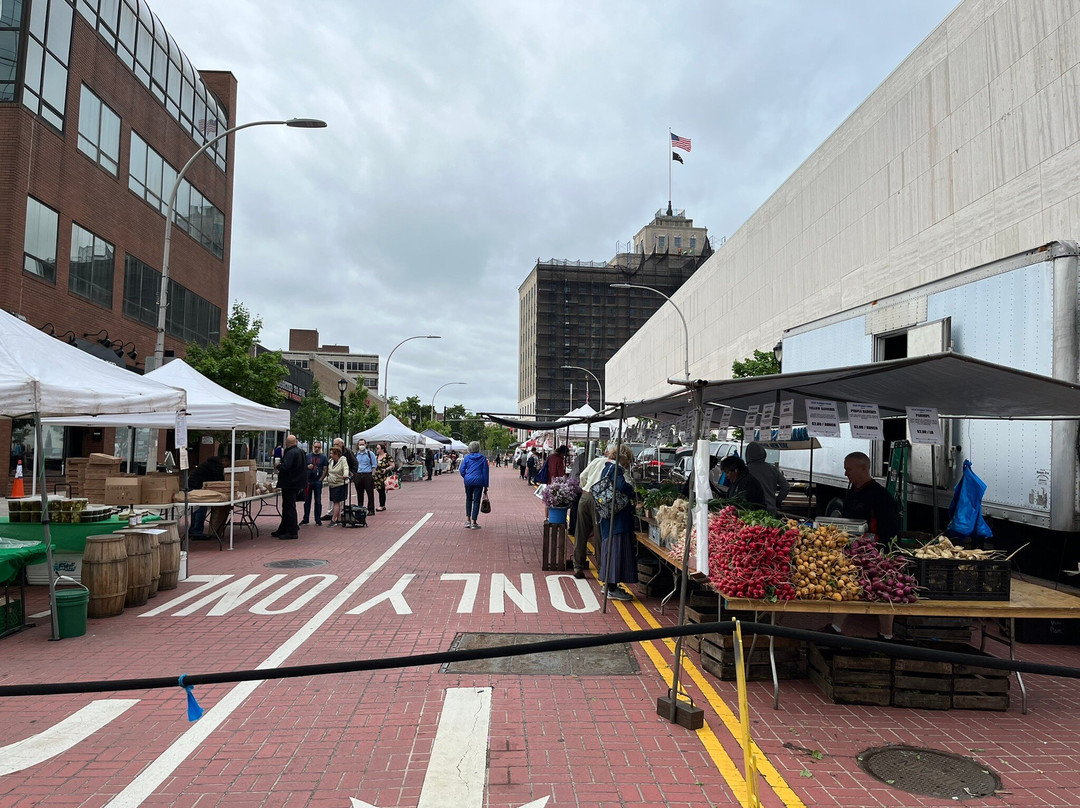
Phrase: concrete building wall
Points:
(966, 153)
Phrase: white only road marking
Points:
(457, 772)
(61, 737)
(165, 764)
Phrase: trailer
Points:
(1020, 311)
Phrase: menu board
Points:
(924, 426)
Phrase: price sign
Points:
(751, 420)
(787, 419)
(767, 419)
(865, 421)
(924, 426)
(181, 430)
(182, 454)
(725, 422)
(822, 419)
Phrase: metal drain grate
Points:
(930, 772)
(297, 563)
(607, 660)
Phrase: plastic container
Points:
(557, 516)
(953, 579)
(71, 607)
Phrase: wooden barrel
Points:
(141, 552)
(168, 554)
(104, 573)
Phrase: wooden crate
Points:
(922, 684)
(978, 688)
(851, 677)
(718, 657)
(945, 629)
(554, 550)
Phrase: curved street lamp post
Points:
(386, 367)
(433, 416)
(686, 330)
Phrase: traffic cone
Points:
(17, 489)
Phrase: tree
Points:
(315, 418)
(497, 439)
(360, 414)
(410, 411)
(760, 364)
(233, 364)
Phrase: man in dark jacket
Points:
(209, 471)
(292, 478)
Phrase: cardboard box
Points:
(159, 488)
(123, 491)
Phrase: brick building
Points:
(99, 109)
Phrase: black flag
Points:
(675, 156)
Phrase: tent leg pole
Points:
(933, 488)
(232, 481)
(810, 510)
(39, 466)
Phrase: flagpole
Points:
(669, 162)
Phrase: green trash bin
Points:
(71, 607)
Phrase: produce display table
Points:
(66, 537)
(1026, 600)
(14, 556)
(661, 553)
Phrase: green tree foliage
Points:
(760, 364)
(497, 439)
(410, 412)
(315, 418)
(360, 414)
(232, 362)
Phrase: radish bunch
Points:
(881, 576)
(748, 560)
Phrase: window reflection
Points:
(39, 244)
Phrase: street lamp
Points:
(342, 386)
(598, 387)
(158, 358)
(686, 330)
(386, 367)
(433, 418)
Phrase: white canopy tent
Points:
(209, 406)
(458, 446)
(43, 376)
(394, 433)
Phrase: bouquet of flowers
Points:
(561, 492)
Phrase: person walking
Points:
(556, 462)
(532, 465)
(585, 518)
(316, 472)
(429, 463)
(337, 471)
(365, 471)
(474, 470)
(292, 476)
(519, 461)
(383, 469)
(618, 562)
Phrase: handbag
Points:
(609, 500)
(542, 475)
(485, 505)
(392, 483)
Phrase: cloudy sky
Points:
(467, 139)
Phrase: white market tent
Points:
(458, 446)
(209, 406)
(43, 376)
(394, 433)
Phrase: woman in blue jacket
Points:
(474, 468)
(618, 558)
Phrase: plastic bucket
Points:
(71, 611)
(557, 516)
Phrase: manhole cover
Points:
(606, 660)
(297, 563)
(929, 772)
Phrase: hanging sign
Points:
(751, 420)
(181, 430)
(865, 421)
(725, 421)
(706, 418)
(182, 454)
(822, 419)
(787, 418)
(767, 418)
(924, 426)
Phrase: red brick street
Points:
(409, 584)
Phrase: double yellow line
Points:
(715, 749)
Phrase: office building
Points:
(304, 346)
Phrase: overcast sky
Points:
(468, 139)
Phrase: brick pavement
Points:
(578, 740)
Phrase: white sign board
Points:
(865, 421)
(181, 430)
(767, 416)
(924, 425)
(725, 422)
(751, 419)
(787, 418)
(822, 419)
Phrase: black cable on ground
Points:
(593, 641)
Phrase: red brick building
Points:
(99, 109)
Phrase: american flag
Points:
(680, 142)
(208, 126)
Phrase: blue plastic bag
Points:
(965, 510)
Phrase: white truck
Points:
(1022, 311)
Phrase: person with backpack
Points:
(366, 463)
(532, 465)
(618, 558)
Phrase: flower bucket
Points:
(557, 516)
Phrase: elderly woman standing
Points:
(336, 481)
(618, 561)
(474, 469)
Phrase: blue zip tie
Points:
(194, 711)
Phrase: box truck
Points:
(1020, 311)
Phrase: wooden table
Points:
(1026, 600)
(662, 554)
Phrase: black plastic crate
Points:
(952, 579)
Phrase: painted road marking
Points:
(166, 763)
(456, 776)
(62, 736)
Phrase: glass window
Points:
(9, 59)
(10, 13)
(92, 267)
(39, 245)
(137, 165)
(58, 39)
(38, 11)
(107, 13)
(678, 242)
(141, 286)
(661, 242)
(127, 27)
(99, 131)
(693, 244)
